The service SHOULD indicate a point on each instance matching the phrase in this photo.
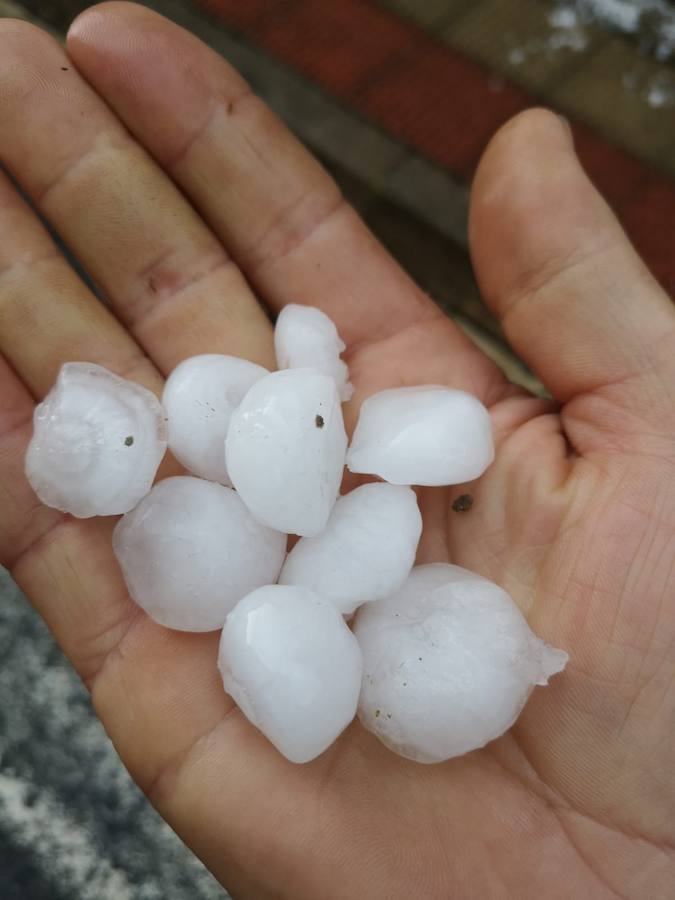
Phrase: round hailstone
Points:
(425, 435)
(285, 450)
(191, 550)
(449, 662)
(304, 337)
(366, 551)
(97, 442)
(293, 667)
(199, 398)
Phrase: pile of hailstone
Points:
(437, 661)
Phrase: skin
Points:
(188, 203)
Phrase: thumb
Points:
(575, 300)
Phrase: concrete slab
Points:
(432, 195)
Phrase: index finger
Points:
(277, 211)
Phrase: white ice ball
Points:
(304, 337)
(97, 442)
(285, 450)
(191, 550)
(366, 551)
(199, 398)
(293, 667)
(426, 435)
(449, 662)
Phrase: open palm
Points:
(576, 518)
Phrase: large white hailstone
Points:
(191, 550)
(449, 662)
(293, 667)
(199, 398)
(426, 435)
(366, 551)
(97, 442)
(304, 337)
(285, 450)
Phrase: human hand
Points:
(575, 518)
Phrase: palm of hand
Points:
(575, 518)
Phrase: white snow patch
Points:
(653, 19)
(570, 21)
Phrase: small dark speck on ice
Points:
(319, 422)
(129, 441)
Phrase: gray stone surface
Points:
(73, 826)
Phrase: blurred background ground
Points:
(398, 98)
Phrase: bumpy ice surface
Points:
(97, 442)
(191, 550)
(366, 551)
(449, 662)
(293, 667)
(304, 337)
(285, 450)
(199, 398)
(424, 435)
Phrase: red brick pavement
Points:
(441, 104)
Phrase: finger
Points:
(276, 210)
(575, 300)
(66, 566)
(47, 314)
(166, 275)
(47, 317)
(32, 540)
(142, 675)
(23, 519)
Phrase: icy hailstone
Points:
(425, 435)
(366, 551)
(97, 442)
(449, 662)
(285, 450)
(293, 667)
(199, 398)
(305, 337)
(191, 550)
